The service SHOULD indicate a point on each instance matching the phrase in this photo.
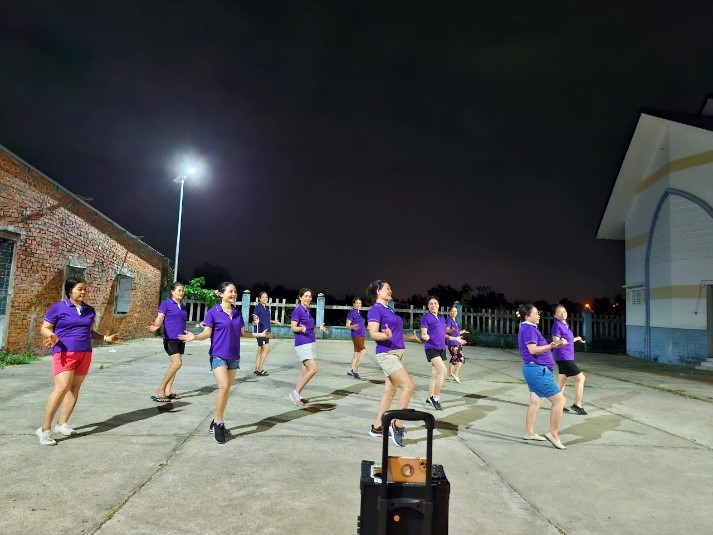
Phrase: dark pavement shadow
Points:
(126, 418)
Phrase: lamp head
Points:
(188, 171)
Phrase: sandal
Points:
(263, 373)
(174, 396)
(160, 399)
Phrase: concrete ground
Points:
(640, 462)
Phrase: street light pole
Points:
(182, 180)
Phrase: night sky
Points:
(423, 143)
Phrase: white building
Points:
(662, 206)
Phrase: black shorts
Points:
(433, 353)
(568, 368)
(262, 341)
(174, 346)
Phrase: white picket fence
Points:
(477, 321)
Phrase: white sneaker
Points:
(64, 429)
(45, 437)
(296, 399)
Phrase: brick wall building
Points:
(48, 234)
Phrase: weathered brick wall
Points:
(53, 225)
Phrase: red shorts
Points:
(65, 361)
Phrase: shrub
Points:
(12, 359)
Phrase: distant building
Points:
(47, 234)
(661, 205)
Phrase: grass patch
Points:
(13, 359)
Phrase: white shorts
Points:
(305, 352)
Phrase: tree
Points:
(619, 305)
(446, 294)
(259, 287)
(543, 306)
(607, 305)
(281, 292)
(417, 300)
(212, 274)
(571, 306)
(196, 291)
(487, 298)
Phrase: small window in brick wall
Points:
(76, 272)
(638, 296)
(123, 294)
(75, 267)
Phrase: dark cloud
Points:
(469, 142)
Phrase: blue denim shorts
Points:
(540, 380)
(217, 362)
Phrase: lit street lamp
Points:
(180, 179)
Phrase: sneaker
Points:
(356, 375)
(433, 403)
(64, 429)
(212, 426)
(376, 431)
(263, 373)
(397, 434)
(350, 373)
(566, 410)
(219, 430)
(579, 410)
(45, 437)
(296, 399)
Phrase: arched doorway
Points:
(679, 256)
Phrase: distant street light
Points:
(180, 179)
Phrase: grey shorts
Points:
(305, 351)
(389, 362)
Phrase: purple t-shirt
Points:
(386, 317)
(175, 317)
(357, 319)
(263, 316)
(530, 334)
(302, 316)
(225, 338)
(436, 326)
(455, 333)
(72, 325)
(561, 329)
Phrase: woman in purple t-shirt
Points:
(67, 329)
(356, 323)
(302, 324)
(537, 370)
(433, 332)
(387, 330)
(172, 314)
(564, 357)
(455, 348)
(223, 324)
(262, 322)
